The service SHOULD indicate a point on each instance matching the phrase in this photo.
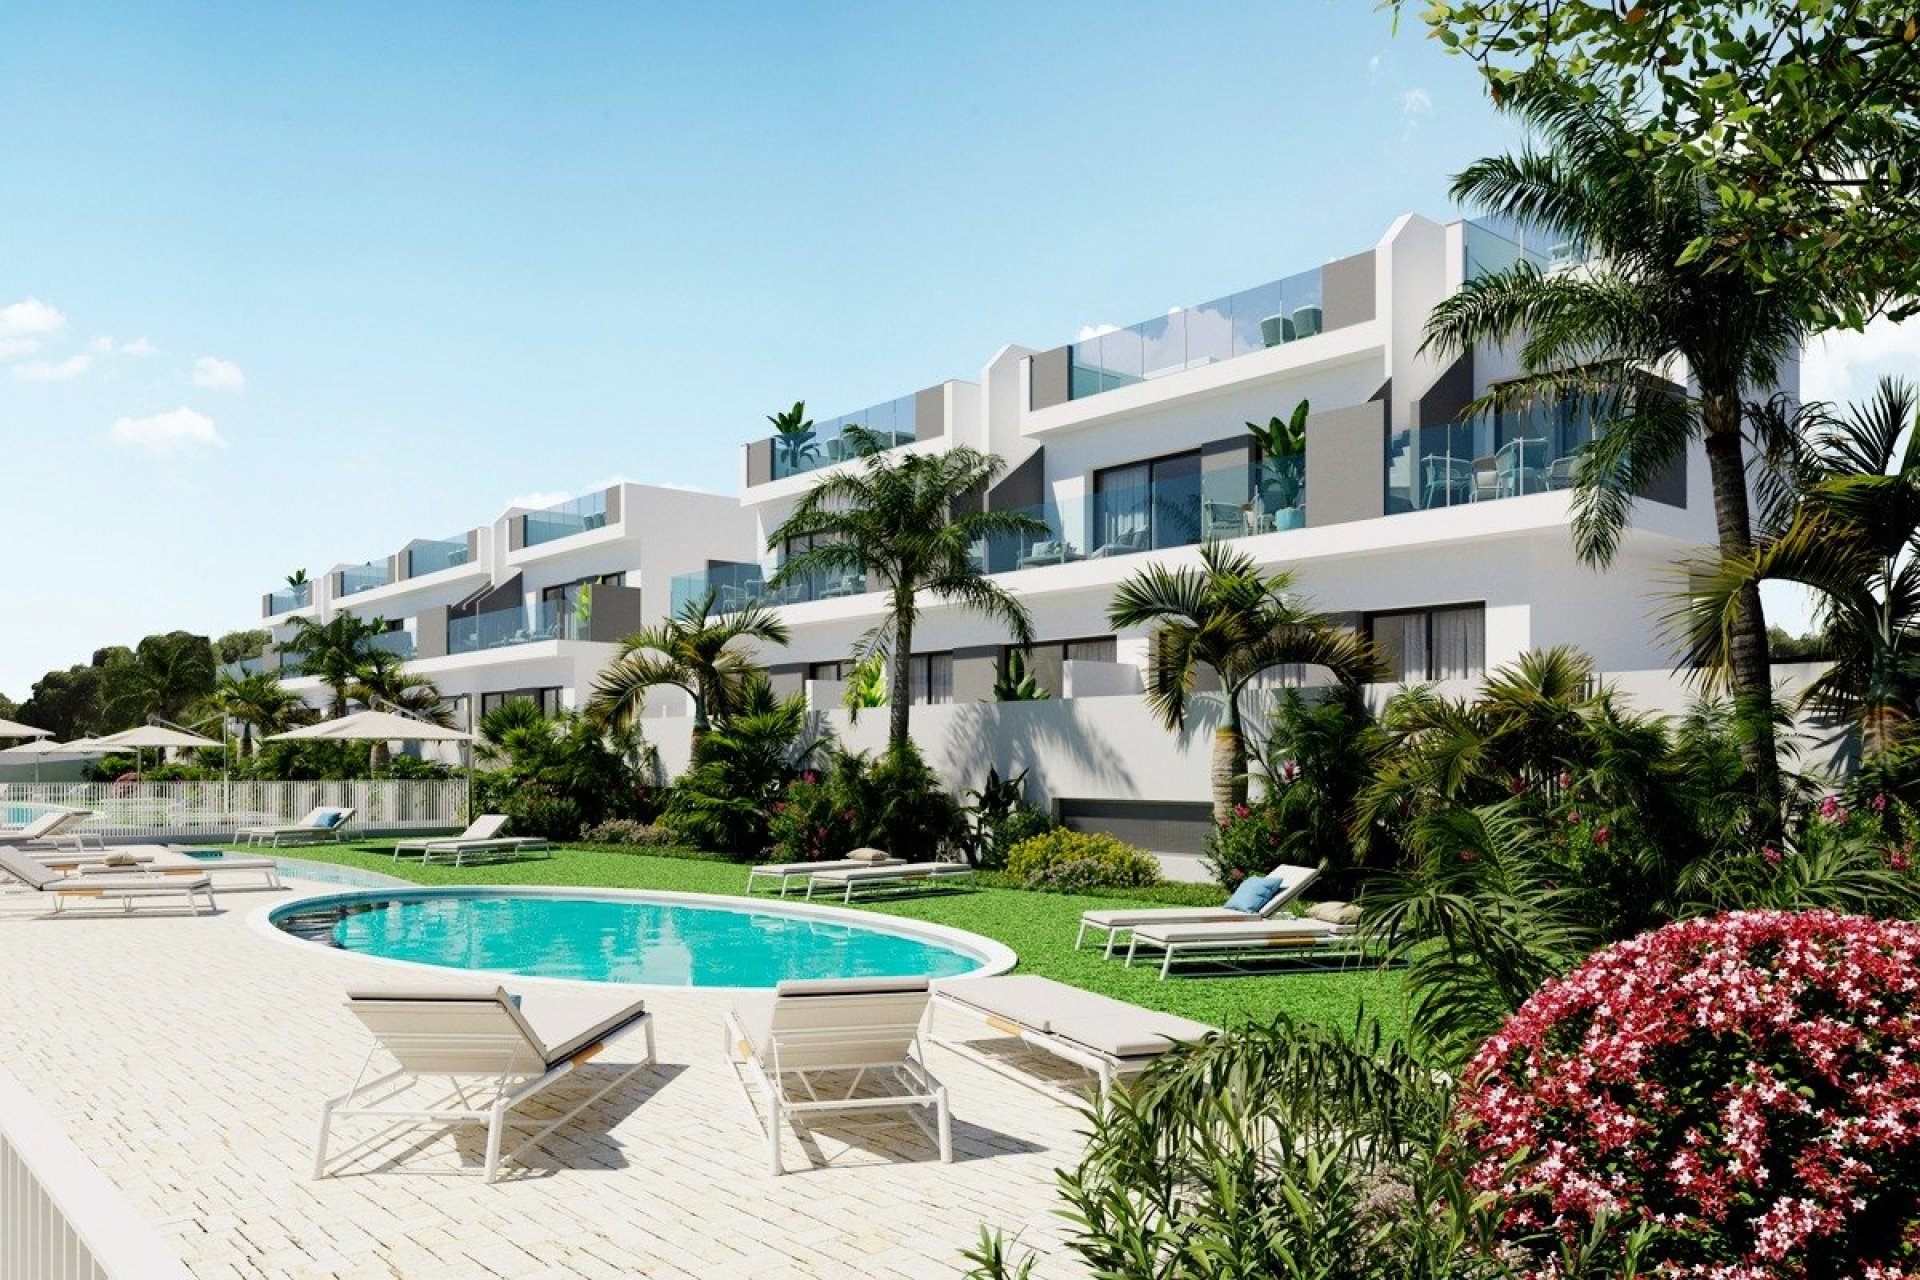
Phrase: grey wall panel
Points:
(788, 678)
(974, 670)
(1347, 291)
(613, 504)
(507, 595)
(759, 462)
(1047, 373)
(516, 533)
(1670, 486)
(1024, 486)
(1346, 464)
(430, 632)
(1450, 393)
(473, 546)
(1161, 826)
(266, 605)
(400, 566)
(615, 613)
(930, 413)
(1233, 453)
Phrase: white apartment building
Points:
(530, 606)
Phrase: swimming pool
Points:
(659, 939)
(318, 872)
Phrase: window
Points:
(828, 670)
(1144, 505)
(547, 699)
(1432, 644)
(1045, 658)
(930, 678)
(568, 593)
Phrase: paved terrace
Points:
(188, 1058)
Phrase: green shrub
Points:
(1095, 861)
(629, 832)
(894, 803)
(534, 810)
(998, 817)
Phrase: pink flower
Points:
(1241, 811)
(1565, 780)
(1573, 815)
(1601, 835)
(1468, 855)
(1518, 787)
(1236, 875)
(1879, 803)
(1897, 859)
(1828, 807)
(1772, 855)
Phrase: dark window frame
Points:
(1368, 618)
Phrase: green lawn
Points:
(1039, 927)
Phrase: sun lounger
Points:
(52, 828)
(787, 872)
(124, 889)
(158, 860)
(904, 875)
(322, 823)
(866, 1027)
(1294, 881)
(1251, 938)
(484, 827)
(1111, 1038)
(465, 851)
(496, 1051)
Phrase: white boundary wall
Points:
(60, 1219)
(209, 810)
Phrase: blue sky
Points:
(289, 285)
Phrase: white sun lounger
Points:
(312, 829)
(1294, 881)
(869, 1027)
(484, 827)
(158, 860)
(1250, 938)
(496, 1051)
(787, 872)
(124, 889)
(52, 828)
(904, 875)
(1111, 1038)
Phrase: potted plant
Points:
(1280, 472)
(793, 437)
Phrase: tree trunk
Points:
(1229, 775)
(899, 692)
(378, 758)
(1752, 671)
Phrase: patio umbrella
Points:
(146, 735)
(14, 729)
(47, 747)
(373, 726)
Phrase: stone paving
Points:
(188, 1057)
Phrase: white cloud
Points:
(29, 318)
(1415, 103)
(138, 347)
(101, 346)
(1845, 365)
(54, 370)
(1088, 332)
(221, 375)
(13, 347)
(165, 432)
(1373, 66)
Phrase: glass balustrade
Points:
(1268, 315)
(287, 599)
(737, 585)
(499, 628)
(364, 577)
(1487, 457)
(891, 424)
(1492, 245)
(398, 643)
(432, 556)
(565, 519)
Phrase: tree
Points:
(237, 645)
(696, 650)
(903, 519)
(1603, 332)
(1850, 533)
(336, 652)
(259, 703)
(164, 675)
(740, 770)
(1805, 114)
(67, 703)
(385, 680)
(1228, 617)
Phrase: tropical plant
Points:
(555, 776)
(697, 650)
(1073, 861)
(1012, 682)
(740, 769)
(902, 519)
(1320, 754)
(1846, 527)
(1726, 1096)
(793, 437)
(866, 686)
(258, 703)
(236, 646)
(998, 817)
(336, 652)
(163, 676)
(1231, 618)
(1282, 444)
(894, 803)
(1600, 335)
(298, 578)
(385, 682)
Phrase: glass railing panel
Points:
(364, 577)
(1259, 317)
(1510, 454)
(892, 422)
(289, 598)
(398, 643)
(499, 628)
(431, 557)
(565, 520)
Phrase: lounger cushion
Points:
(1101, 1023)
(1254, 893)
(1126, 918)
(846, 986)
(566, 1024)
(900, 871)
(1303, 930)
(125, 886)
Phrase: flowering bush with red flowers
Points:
(1248, 843)
(1728, 1098)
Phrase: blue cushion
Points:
(332, 818)
(1254, 893)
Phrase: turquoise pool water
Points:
(615, 939)
(318, 872)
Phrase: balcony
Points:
(892, 422)
(737, 585)
(365, 577)
(1489, 246)
(433, 555)
(502, 628)
(582, 515)
(1488, 457)
(1268, 315)
(398, 643)
(287, 599)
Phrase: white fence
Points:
(59, 1218)
(206, 810)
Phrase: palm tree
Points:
(336, 652)
(1604, 332)
(164, 676)
(385, 681)
(695, 650)
(1847, 526)
(900, 519)
(1230, 618)
(257, 701)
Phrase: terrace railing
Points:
(215, 810)
(60, 1219)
